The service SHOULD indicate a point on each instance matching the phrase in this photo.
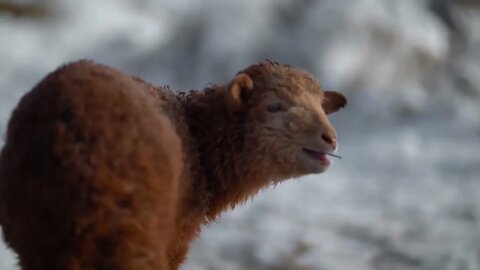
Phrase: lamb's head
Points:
(286, 111)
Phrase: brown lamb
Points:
(101, 170)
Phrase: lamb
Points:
(101, 170)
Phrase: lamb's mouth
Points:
(317, 155)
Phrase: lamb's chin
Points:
(314, 165)
(317, 169)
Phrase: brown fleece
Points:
(101, 170)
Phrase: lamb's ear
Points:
(333, 101)
(233, 95)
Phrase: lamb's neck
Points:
(230, 173)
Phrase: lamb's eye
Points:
(276, 107)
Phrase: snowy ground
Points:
(406, 195)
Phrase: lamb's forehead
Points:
(282, 79)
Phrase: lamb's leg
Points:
(89, 175)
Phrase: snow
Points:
(406, 194)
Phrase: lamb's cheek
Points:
(295, 120)
(292, 126)
(276, 121)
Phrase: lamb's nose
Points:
(330, 139)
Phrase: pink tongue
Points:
(317, 155)
(320, 156)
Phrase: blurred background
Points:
(406, 194)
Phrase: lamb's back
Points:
(89, 171)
